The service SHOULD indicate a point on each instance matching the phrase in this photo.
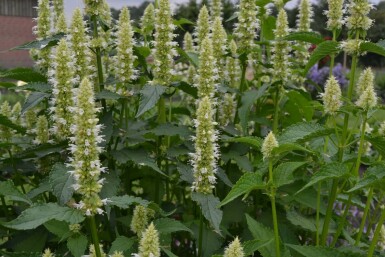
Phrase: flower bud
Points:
(140, 218)
(216, 8)
(268, 145)
(93, 252)
(149, 243)
(366, 79)
(202, 29)
(93, 7)
(48, 253)
(235, 249)
(352, 47)
(332, 96)
(358, 19)
(227, 110)
(148, 19)
(233, 72)
(58, 10)
(188, 45)
(5, 132)
(42, 132)
(334, 14)
(367, 96)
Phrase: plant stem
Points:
(317, 213)
(99, 61)
(94, 235)
(332, 56)
(4, 205)
(329, 212)
(342, 222)
(276, 111)
(366, 211)
(241, 90)
(377, 233)
(274, 210)
(200, 239)
(361, 146)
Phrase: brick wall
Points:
(15, 31)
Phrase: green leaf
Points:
(191, 57)
(309, 37)
(182, 21)
(300, 132)
(167, 226)
(209, 206)
(262, 233)
(332, 170)
(58, 228)
(77, 244)
(301, 221)
(249, 247)
(150, 96)
(255, 142)
(139, 156)
(187, 88)
(20, 254)
(374, 176)
(108, 95)
(283, 174)
(61, 182)
(247, 183)
(284, 148)
(122, 244)
(168, 252)
(298, 107)
(35, 86)
(39, 214)
(372, 48)
(268, 27)
(247, 100)
(4, 121)
(125, 201)
(317, 251)
(186, 173)
(232, 17)
(41, 44)
(8, 189)
(168, 129)
(33, 99)
(23, 74)
(378, 143)
(323, 49)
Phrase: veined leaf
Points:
(329, 171)
(301, 221)
(255, 142)
(268, 27)
(4, 121)
(210, 210)
(105, 94)
(41, 44)
(262, 233)
(8, 189)
(283, 148)
(125, 201)
(247, 183)
(39, 214)
(251, 246)
(374, 175)
(378, 143)
(309, 37)
(187, 88)
(299, 132)
(323, 49)
(167, 226)
(372, 48)
(77, 244)
(283, 174)
(189, 56)
(35, 86)
(33, 99)
(61, 183)
(319, 251)
(122, 244)
(150, 96)
(23, 74)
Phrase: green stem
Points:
(329, 211)
(200, 239)
(361, 146)
(332, 56)
(342, 221)
(317, 213)
(366, 211)
(5, 208)
(99, 61)
(276, 111)
(377, 233)
(242, 88)
(274, 210)
(94, 235)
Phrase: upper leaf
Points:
(372, 48)
(41, 44)
(125, 201)
(150, 96)
(309, 37)
(8, 189)
(23, 74)
(167, 226)
(209, 206)
(61, 182)
(323, 49)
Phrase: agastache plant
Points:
(234, 249)
(334, 14)
(43, 30)
(164, 46)
(219, 36)
(358, 20)
(233, 70)
(149, 243)
(188, 44)
(367, 96)
(148, 19)
(124, 62)
(216, 8)
(202, 29)
(85, 151)
(245, 30)
(332, 96)
(62, 78)
(58, 10)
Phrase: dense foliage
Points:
(251, 141)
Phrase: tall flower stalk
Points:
(202, 29)
(43, 30)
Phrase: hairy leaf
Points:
(125, 201)
(77, 244)
(8, 189)
(323, 49)
(167, 226)
(122, 244)
(309, 37)
(283, 174)
(33, 99)
(299, 132)
(372, 48)
(23, 74)
(262, 233)
(150, 96)
(61, 182)
(374, 176)
(210, 210)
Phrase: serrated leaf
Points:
(77, 244)
(372, 48)
(139, 156)
(332, 170)
(378, 143)
(284, 148)
(209, 207)
(191, 57)
(187, 88)
(255, 142)
(122, 244)
(125, 201)
(182, 21)
(168, 129)
(20, 254)
(283, 173)
(39, 214)
(61, 183)
(299, 131)
(262, 233)
(309, 37)
(323, 49)
(150, 94)
(23, 74)
(299, 220)
(186, 173)
(248, 182)
(41, 44)
(317, 251)
(108, 95)
(58, 228)
(167, 226)
(35, 86)
(8, 189)
(33, 99)
(5, 121)
(374, 176)
(249, 247)
(247, 100)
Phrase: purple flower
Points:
(319, 76)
